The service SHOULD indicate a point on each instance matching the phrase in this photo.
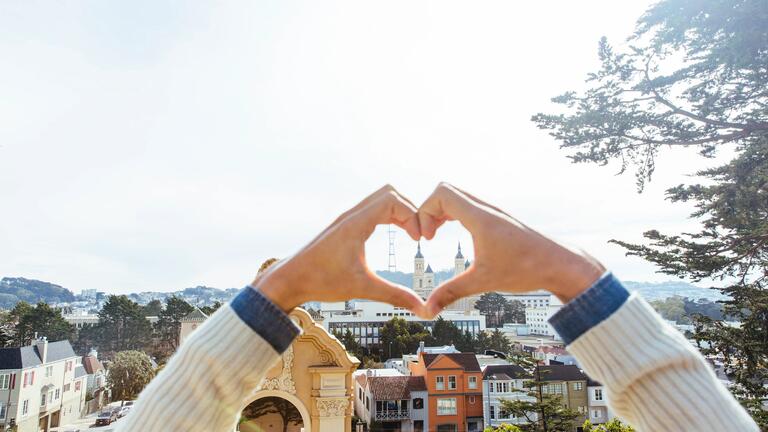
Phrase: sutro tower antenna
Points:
(392, 262)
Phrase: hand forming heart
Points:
(509, 256)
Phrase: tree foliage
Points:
(168, 325)
(122, 326)
(613, 425)
(695, 74)
(40, 319)
(129, 373)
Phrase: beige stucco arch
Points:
(315, 375)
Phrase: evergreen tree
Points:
(168, 325)
(494, 306)
(545, 413)
(153, 308)
(694, 75)
(42, 320)
(122, 326)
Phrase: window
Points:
(2, 410)
(473, 382)
(553, 388)
(360, 393)
(490, 387)
(25, 407)
(418, 426)
(598, 394)
(472, 400)
(447, 428)
(66, 387)
(472, 427)
(446, 406)
(5, 380)
(418, 403)
(56, 395)
(452, 382)
(367, 402)
(440, 383)
(77, 386)
(493, 412)
(595, 414)
(578, 386)
(42, 399)
(48, 371)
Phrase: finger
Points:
(365, 202)
(390, 207)
(446, 203)
(381, 290)
(454, 289)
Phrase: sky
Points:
(157, 145)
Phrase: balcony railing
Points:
(392, 414)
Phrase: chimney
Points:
(93, 353)
(42, 348)
(421, 347)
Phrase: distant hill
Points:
(14, 290)
(649, 290)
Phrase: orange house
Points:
(454, 383)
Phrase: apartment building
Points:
(569, 382)
(41, 386)
(365, 319)
(598, 405)
(537, 318)
(504, 382)
(454, 385)
(393, 402)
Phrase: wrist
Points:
(275, 289)
(574, 275)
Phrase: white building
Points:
(504, 382)
(598, 406)
(41, 386)
(533, 299)
(395, 401)
(366, 318)
(80, 320)
(537, 318)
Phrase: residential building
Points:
(190, 322)
(533, 299)
(568, 381)
(538, 317)
(454, 384)
(504, 382)
(396, 402)
(598, 405)
(42, 385)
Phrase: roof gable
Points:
(466, 361)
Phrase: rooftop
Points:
(504, 372)
(29, 356)
(561, 373)
(467, 361)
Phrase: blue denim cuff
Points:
(266, 319)
(590, 308)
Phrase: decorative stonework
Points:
(332, 407)
(284, 381)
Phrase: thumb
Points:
(456, 288)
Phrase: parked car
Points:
(123, 410)
(106, 417)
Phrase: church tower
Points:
(459, 263)
(418, 270)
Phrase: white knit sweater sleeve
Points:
(655, 379)
(207, 382)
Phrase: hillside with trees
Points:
(14, 290)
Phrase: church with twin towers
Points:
(424, 278)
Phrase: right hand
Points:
(509, 256)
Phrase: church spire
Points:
(458, 254)
(418, 251)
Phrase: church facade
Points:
(424, 278)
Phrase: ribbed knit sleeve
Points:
(205, 384)
(655, 379)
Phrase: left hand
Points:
(332, 267)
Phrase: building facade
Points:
(394, 403)
(570, 383)
(454, 385)
(42, 385)
(598, 405)
(504, 382)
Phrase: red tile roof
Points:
(395, 387)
